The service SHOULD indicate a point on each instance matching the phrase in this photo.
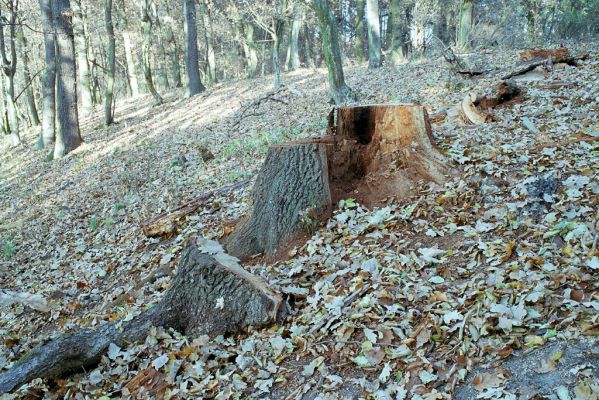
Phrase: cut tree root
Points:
(377, 153)
(166, 224)
(209, 296)
(473, 106)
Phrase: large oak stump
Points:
(210, 295)
(381, 151)
(374, 153)
(292, 188)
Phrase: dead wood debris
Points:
(250, 110)
(547, 63)
(167, 223)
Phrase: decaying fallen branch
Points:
(210, 295)
(166, 223)
(271, 96)
(537, 53)
(473, 106)
(530, 65)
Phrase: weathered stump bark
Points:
(207, 297)
(375, 153)
(292, 189)
(381, 151)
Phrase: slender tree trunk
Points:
(131, 74)
(338, 90)
(9, 69)
(191, 48)
(3, 108)
(307, 40)
(531, 26)
(276, 60)
(146, 21)
(27, 80)
(209, 42)
(108, 94)
(463, 36)
(68, 136)
(82, 60)
(174, 53)
(359, 27)
(296, 25)
(251, 53)
(374, 33)
(163, 65)
(49, 79)
(395, 20)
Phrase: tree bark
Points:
(174, 54)
(49, 78)
(27, 79)
(82, 60)
(108, 94)
(292, 189)
(294, 60)
(146, 21)
(131, 74)
(191, 49)
(9, 69)
(395, 20)
(250, 49)
(463, 37)
(374, 34)
(209, 42)
(68, 136)
(359, 30)
(210, 295)
(338, 90)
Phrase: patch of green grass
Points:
(119, 206)
(258, 142)
(8, 247)
(93, 223)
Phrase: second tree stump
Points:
(376, 153)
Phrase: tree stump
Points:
(292, 190)
(375, 153)
(381, 151)
(210, 295)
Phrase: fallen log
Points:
(166, 224)
(537, 53)
(530, 65)
(210, 295)
(377, 153)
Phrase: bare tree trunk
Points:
(174, 54)
(191, 48)
(82, 61)
(108, 94)
(131, 74)
(250, 49)
(338, 90)
(163, 64)
(68, 136)
(9, 69)
(146, 21)
(465, 24)
(296, 25)
(374, 33)
(395, 21)
(209, 42)
(359, 29)
(27, 80)
(49, 78)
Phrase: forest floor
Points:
(488, 280)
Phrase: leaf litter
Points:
(398, 302)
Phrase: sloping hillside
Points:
(387, 303)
